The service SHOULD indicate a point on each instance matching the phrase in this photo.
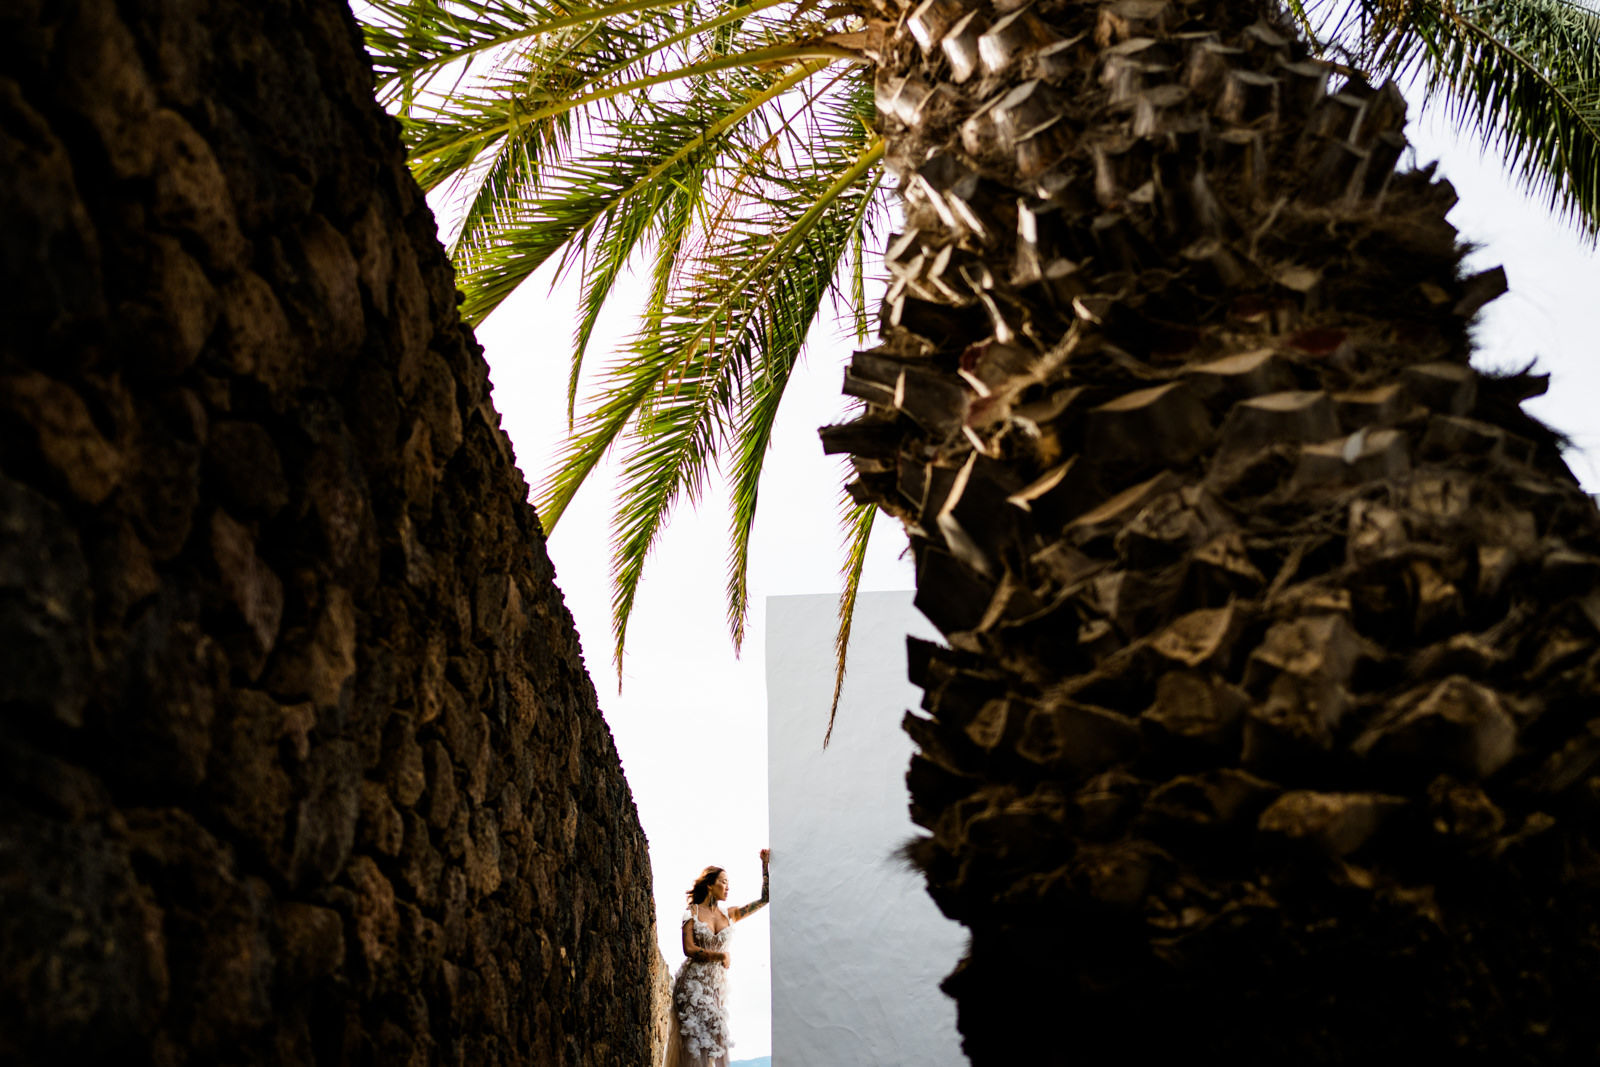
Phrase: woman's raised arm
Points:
(746, 910)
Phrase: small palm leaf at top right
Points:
(1522, 75)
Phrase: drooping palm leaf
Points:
(719, 360)
(670, 338)
(858, 532)
(837, 235)
(600, 138)
(660, 134)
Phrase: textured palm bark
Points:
(298, 759)
(1266, 725)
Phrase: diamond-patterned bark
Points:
(1266, 723)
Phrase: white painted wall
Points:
(858, 948)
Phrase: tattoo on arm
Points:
(755, 905)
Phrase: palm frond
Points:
(519, 114)
(736, 336)
(1524, 75)
(684, 333)
(512, 169)
(644, 157)
(413, 39)
(599, 135)
(695, 137)
(795, 304)
(858, 532)
(655, 211)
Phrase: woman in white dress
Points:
(699, 1035)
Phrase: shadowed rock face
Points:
(298, 759)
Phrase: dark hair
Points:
(700, 892)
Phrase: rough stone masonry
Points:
(298, 759)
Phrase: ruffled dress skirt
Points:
(698, 1035)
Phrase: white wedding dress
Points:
(699, 1030)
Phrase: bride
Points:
(699, 1029)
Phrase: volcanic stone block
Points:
(103, 83)
(374, 921)
(255, 332)
(324, 825)
(1458, 719)
(310, 942)
(1201, 637)
(52, 240)
(1197, 707)
(64, 434)
(1218, 798)
(254, 592)
(381, 828)
(243, 466)
(252, 789)
(44, 607)
(191, 194)
(1336, 823)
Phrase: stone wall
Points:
(661, 1007)
(298, 759)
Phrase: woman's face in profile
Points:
(719, 888)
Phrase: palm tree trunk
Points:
(298, 759)
(1265, 725)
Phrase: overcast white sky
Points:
(690, 721)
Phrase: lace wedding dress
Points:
(699, 1036)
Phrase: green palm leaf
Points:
(673, 149)
(858, 533)
(643, 156)
(714, 368)
(725, 150)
